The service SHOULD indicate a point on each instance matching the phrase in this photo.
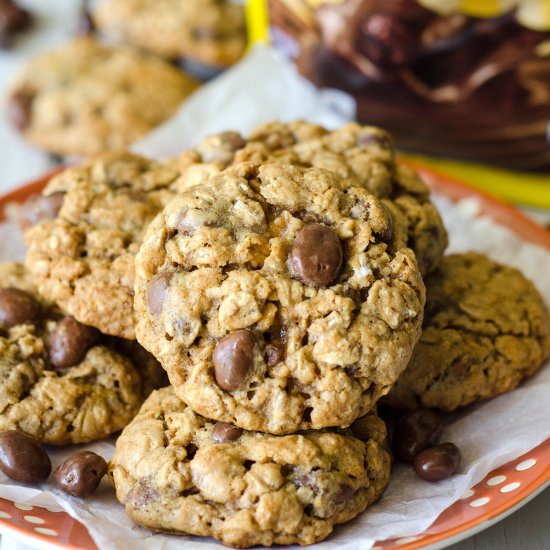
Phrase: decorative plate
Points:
(502, 492)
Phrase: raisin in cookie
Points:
(272, 298)
(60, 381)
(178, 472)
(363, 155)
(86, 98)
(485, 330)
(85, 231)
(211, 32)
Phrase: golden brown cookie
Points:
(60, 381)
(85, 231)
(364, 156)
(273, 299)
(212, 32)
(178, 472)
(86, 98)
(485, 330)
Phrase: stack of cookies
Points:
(280, 282)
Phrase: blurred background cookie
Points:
(209, 32)
(85, 98)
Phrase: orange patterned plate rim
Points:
(500, 493)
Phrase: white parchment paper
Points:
(262, 87)
(488, 434)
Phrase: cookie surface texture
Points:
(62, 382)
(178, 472)
(363, 155)
(81, 255)
(272, 298)
(485, 330)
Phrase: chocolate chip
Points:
(40, 207)
(17, 307)
(157, 291)
(22, 458)
(369, 136)
(274, 354)
(221, 148)
(354, 294)
(414, 432)
(308, 480)
(233, 359)
(275, 350)
(225, 433)
(81, 473)
(437, 463)
(183, 226)
(232, 140)
(13, 19)
(344, 495)
(271, 212)
(19, 108)
(316, 255)
(387, 234)
(69, 342)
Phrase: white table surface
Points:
(527, 529)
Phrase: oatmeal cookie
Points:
(177, 472)
(212, 32)
(86, 98)
(60, 381)
(85, 231)
(272, 298)
(485, 330)
(363, 155)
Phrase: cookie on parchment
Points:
(364, 156)
(272, 297)
(485, 330)
(84, 231)
(212, 32)
(86, 98)
(177, 472)
(60, 381)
